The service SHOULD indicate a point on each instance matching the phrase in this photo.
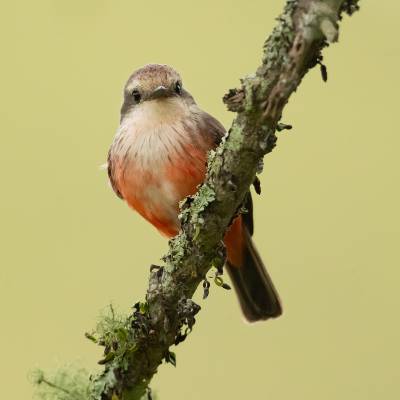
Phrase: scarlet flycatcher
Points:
(158, 157)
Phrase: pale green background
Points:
(327, 223)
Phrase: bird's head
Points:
(153, 82)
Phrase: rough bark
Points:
(134, 348)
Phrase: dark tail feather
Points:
(256, 292)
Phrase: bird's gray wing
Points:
(111, 174)
(212, 127)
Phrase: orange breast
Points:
(156, 193)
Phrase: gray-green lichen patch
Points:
(102, 383)
(177, 250)
(70, 382)
(236, 139)
(277, 46)
(114, 333)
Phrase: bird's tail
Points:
(257, 295)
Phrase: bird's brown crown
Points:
(150, 77)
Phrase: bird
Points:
(158, 157)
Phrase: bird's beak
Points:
(159, 92)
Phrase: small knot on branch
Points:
(269, 143)
(234, 100)
(329, 28)
(349, 7)
(257, 185)
(187, 310)
(281, 127)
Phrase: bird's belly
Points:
(155, 192)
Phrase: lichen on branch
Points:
(135, 346)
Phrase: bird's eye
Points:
(178, 87)
(136, 96)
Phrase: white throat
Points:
(150, 133)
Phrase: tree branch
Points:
(137, 345)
